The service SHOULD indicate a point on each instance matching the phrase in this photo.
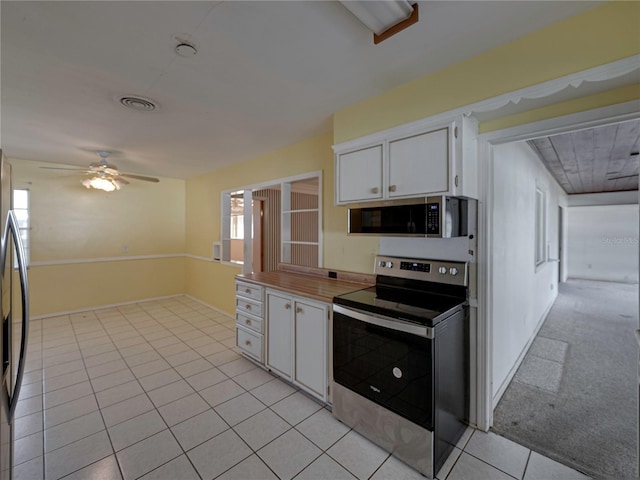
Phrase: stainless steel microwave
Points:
(441, 217)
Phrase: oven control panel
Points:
(416, 266)
(452, 273)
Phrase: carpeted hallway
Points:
(574, 397)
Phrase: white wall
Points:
(522, 293)
(603, 243)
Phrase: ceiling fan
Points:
(105, 176)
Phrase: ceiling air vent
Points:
(138, 103)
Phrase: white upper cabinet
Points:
(359, 175)
(419, 165)
(429, 157)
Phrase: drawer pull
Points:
(299, 310)
(287, 306)
(247, 306)
(247, 321)
(247, 290)
(392, 188)
(247, 343)
(374, 190)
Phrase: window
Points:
(21, 209)
(541, 227)
(233, 226)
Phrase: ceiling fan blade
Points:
(65, 168)
(139, 177)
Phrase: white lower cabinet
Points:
(250, 319)
(310, 355)
(279, 333)
(297, 331)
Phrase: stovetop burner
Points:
(412, 290)
(417, 307)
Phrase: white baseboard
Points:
(111, 305)
(210, 306)
(514, 369)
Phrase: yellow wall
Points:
(212, 282)
(70, 223)
(62, 288)
(601, 35)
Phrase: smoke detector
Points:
(186, 50)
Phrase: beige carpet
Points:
(574, 397)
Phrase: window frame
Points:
(23, 232)
(540, 225)
(225, 218)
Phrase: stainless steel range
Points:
(400, 359)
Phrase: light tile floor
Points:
(157, 390)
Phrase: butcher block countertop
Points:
(311, 283)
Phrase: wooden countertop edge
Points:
(331, 287)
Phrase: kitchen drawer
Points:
(244, 305)
(249, 290)
(249, 321)
(250, 343)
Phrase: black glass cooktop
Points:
(424, 308)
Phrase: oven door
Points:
(390, 362)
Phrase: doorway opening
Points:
(564, 353)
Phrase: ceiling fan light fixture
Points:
(102, 183)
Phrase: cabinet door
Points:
(279, 331)
(311, 324)
(359, 175)
(419, 165)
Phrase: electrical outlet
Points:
(333, 274)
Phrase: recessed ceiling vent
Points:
(138, 103)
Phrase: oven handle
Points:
(385, 322)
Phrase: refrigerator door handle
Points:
(13, 228)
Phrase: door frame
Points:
(588, 119)
(561, 246)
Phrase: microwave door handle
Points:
(12, 228)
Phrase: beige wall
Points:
(71, 224)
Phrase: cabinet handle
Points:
(299, 310)
(456, 180)
(247, 306)
(287, 306)
(247, 321)
(392, 188)
(247, 343)
(374, 190)
(247, 290)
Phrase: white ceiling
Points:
(267, 74)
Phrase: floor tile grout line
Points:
(168, 427)
(486, 463)
(102, 417)
(526, 465)
(100, 412)
(215, 366)
(184, 452)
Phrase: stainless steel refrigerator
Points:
(14, 332)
